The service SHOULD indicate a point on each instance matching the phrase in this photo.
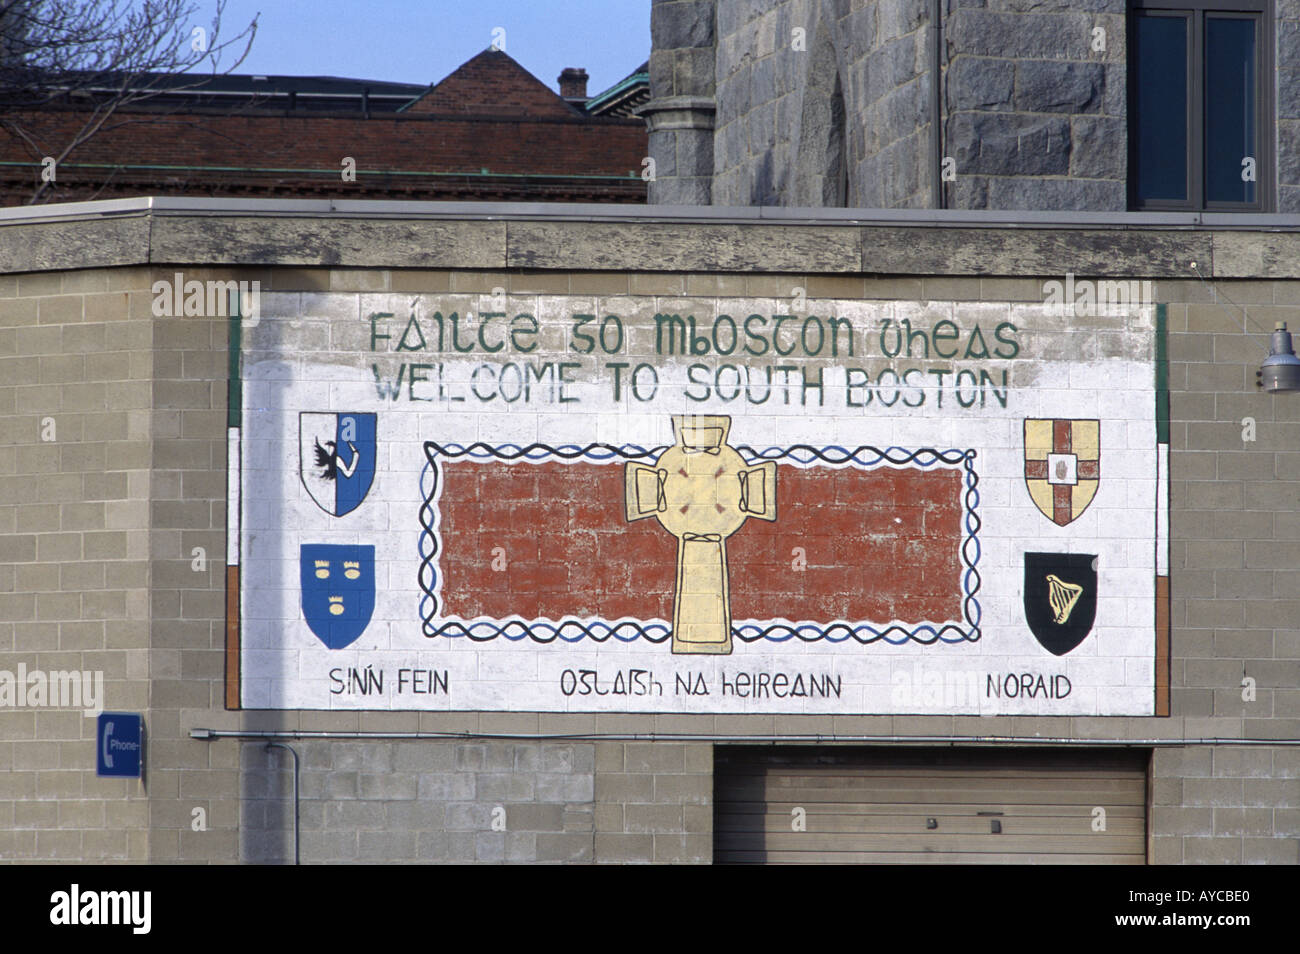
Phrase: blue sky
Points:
(417, 41)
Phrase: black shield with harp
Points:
(1060, 598)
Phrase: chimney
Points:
(573, 83)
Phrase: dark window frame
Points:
(1195, 11)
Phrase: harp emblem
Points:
(1062, 596)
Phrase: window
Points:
(1199, 105)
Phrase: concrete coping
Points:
(597, 212)
(367, 233)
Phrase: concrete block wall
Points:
(420, 802)
(187, 521)
(1235, 574)
(479, 801)
(1226, 806)
(1234, 563)
(405, 801)
(76, 442)
(654, 802)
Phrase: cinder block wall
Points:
(396, 802)
(1235, 567)
(479, 801)
(76, 451)
(135, 482)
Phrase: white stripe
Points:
(232, 496)
(1162, 510)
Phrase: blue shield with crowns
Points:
(338, 591)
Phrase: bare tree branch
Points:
(104, 55)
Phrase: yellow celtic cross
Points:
(701, 491)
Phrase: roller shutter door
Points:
(888, 805)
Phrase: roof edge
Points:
(323, 233)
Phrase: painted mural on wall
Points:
(636, 504)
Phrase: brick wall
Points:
(296, 145)
(492, 82)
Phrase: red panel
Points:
(879, 545)
(568, 548)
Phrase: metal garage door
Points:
(928, 805)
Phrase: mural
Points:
(554, 503)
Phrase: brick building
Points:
(488, 131)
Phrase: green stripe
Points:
(1162, 374)
(234, 387)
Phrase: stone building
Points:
(1097, 106)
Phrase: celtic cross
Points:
(701, 491)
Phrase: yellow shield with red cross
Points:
(1062, 466)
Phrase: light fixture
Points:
(1280, 372)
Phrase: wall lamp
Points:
(1280, 372)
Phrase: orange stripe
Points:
(232, 637)
(1162, 645)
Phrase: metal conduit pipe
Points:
(210, 734)
(297, 859)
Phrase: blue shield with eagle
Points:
(338, 591)
(336, 455)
